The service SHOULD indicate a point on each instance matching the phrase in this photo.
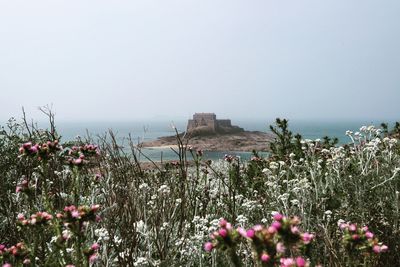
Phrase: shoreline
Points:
(246, 141)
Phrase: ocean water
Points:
(151, 130)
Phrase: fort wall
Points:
(207, 123)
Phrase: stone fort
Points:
(207, 123)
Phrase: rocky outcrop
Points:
(205, 132)
(243, 141)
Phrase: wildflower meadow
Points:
(90, 202)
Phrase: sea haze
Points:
(150, 130)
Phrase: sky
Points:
(154, 59)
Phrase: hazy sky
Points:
(127, 60)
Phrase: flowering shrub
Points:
(67, 204)
(274, 245)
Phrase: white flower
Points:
(164, 189)
(141, 261)
(295, 202)
(241, 219)
(328, 212)
(140, 227)
(102, 234)
(273, 165)
(266, 171)
(164, 226)
(144, 187)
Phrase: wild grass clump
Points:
(91, 202)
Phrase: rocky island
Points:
(208, 133)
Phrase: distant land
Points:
(208, 133)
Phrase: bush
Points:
(79, 203)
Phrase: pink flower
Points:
(223, 232)
(369, 235)
(208, 246)
(223, 222)
(276, 225)
(241, 231)
(294, 230)
(95, 207)
(95, 246)
(27, 261)
(343, 226)
(300, 262)
(20, 217)
(257, 227)
(93, 258)
(376, 249)
(27, 145)
(250, 233)
(280, 248)
(384, 248)
(18, 189)
(265, 257)
(7, 265)
(355, 237)
(352, 227)
(287, 262)
(271, 230)
(34, 149)
(214, 235)
(278, 217)
(75, 214)
(307, 238)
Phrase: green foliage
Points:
(161, 215)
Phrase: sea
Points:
(141, 131)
